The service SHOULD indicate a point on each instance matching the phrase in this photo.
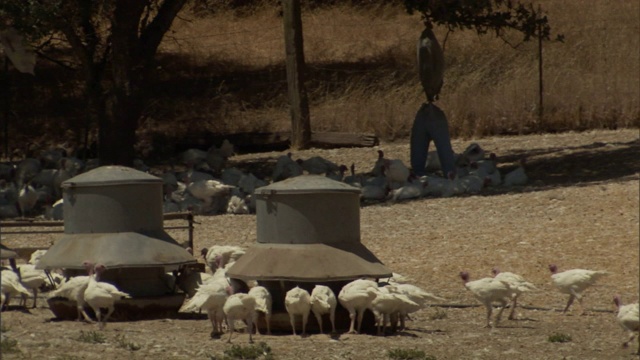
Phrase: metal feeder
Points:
(113, 216)
(308, 233)
(8, 254)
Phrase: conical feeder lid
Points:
(113, 215)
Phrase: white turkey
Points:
(574, 282)
(415, 294)
(217, 256)
(517, 284)
(189, 280)
(356, 297)
(73, 289)
(409, 190)
(518, 176)
(486, 166)
(210, 298)
(192, 175)
(207, 190)
(26, 170)
(374, 192)
(297, 301)
(169, 206)
(286, 168)
(473, 152)
(7, 171)
(220, 276)
(238, 205)
(378, 166)
(8, 211)
(51, 158)
(264, 304)
(139, 165)
(27, 199)
(444, 187)
(32, 279)
(190, 157)
(169, 182)
(318, 165)
(101, 295)
(231, 176)
(248, 183)
(628, 318)
(396, 171)
(35, 256)
(473, 184)
(10, 286)
(399, 279)
(217, 157)
(44, 178)
(353, 178)
(240, 307)
(8, 192)
(487, 291)
(388, 304)
(337, 176)
(487, 169)
(72, 165)
(323, 301)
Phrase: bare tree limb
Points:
(152, 35)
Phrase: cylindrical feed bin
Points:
(113, 216)
(308, 233)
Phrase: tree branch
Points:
(55, 61)
(152, 35)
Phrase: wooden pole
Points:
(6, 104)
(299, 103)
(540, 86)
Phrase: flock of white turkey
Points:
(226, 300)
(204, 183)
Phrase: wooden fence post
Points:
(299, 104)
(540, 84)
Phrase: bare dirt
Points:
(580, 210)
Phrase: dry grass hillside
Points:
(224, 72)
(362, 71)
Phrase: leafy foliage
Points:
(559, 338)
(8, 345)
(408, 354)
(484, 16)
(127, 345)
(91, 337)
(260, 351)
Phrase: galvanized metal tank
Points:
(113, 216)
(308, 233)
(6, 253)
(308, 229)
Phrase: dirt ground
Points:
(580, 210)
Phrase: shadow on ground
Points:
(546, 168)
(574, 166)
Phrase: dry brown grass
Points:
(362, 70)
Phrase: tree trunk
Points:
(122, 103)
(299, 104)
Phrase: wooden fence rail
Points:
(30, 223)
